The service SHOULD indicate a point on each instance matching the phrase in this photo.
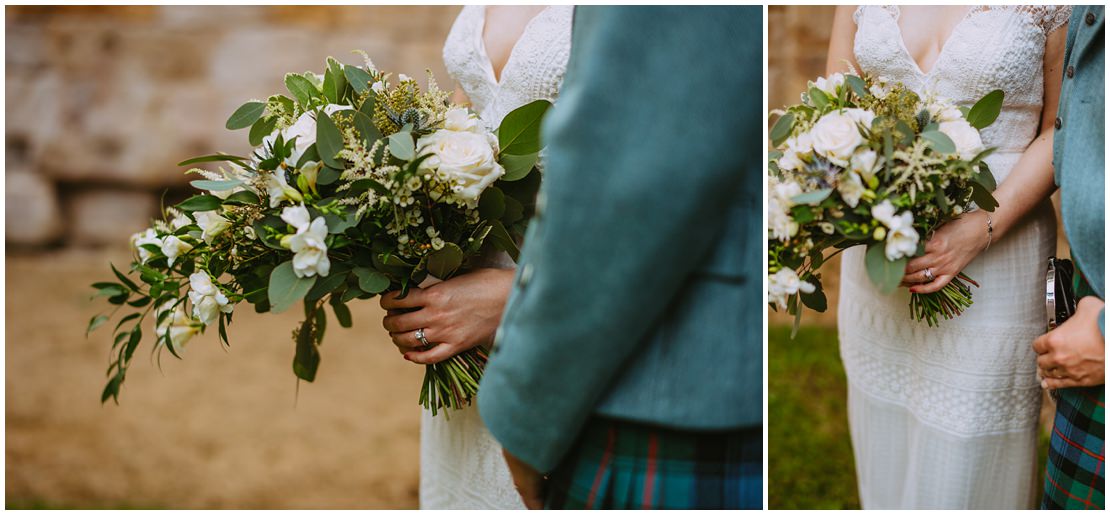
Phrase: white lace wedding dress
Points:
(461, 466)
(946, 417)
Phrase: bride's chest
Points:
(986, 50)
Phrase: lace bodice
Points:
(992, 47)
(534, 70)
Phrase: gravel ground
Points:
(218, 429)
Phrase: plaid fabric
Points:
(624, 465)
(1075, 477)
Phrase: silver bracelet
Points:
(990, 231)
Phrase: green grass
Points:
(811, 464)
(810, 452)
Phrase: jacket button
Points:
(1070, 72)
(1090, 18)
(1059, 124)
(525, 275)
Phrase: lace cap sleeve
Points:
(1055, 16)
(858, 13)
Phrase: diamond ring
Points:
(423, 340)
(929, 275)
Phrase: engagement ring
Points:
(929, 275)
(423, 340)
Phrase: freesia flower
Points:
(279, 189)
(784, 283)
(901, 238)
(172, 247)
(147, 237)
(208, 301)
(178, 326)
(851, 188)
(309, 244)
(211, 224)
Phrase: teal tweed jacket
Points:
(639, 289)
(1079, 153)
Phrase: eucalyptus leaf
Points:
(216, 185)
(371, 281)
(212, 158)
(939, 141)
(200, 203)
(342, 314)
(502, 240)
(359, 79)
(366, 128)
(245, 115)
(95, 322)
(518, 167)
(983, 197)
(857, 85)
(444, 262)
(812, 197)
(519, 132)
(307, 358)
(885, 274)
(262, 128)
(818, 98)
(492, 204)
(329, 141)
(781, 130)
(986, 110)
(242, 198)
(401, 146)
(303, 90)
(286, 288)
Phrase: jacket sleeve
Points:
(658, 123)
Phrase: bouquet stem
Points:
(948, 303)
(453, 383)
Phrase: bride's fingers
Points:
(414, 299)
(434, 355)
(917, 277)
(406, 322)
(407, 341)
(931, 287)
(919, 264)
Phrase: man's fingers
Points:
(1041, 344)
(1047, 361)
(1051, 383)
(932, 287)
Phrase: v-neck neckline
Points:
(897, 15)
(496, 77)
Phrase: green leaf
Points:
(444, 262)
(781, 130)
(518, 167)
(286, 288)
(200, 203)
(123, 279)
(371, 281)
(939, 141)
(519, 133)
(95, 322)
(492, 204)
(329, 141)
(402, 146)
(212, 158)
(262, 128)
(857, 85)
(819, 98)
(245, 116)
(501, 239)
(816, 300)
(342, 314)
(982, 197)
(812, 197)
(133, 342)
(359, 79)
(302, 89)
(215, 185)
(242, 198)
(985, 177)
(111, 390)
(307, 359)
(885, 274)
(986, 110)
(366, 128)
(325, 285)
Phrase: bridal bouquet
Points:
(866, 161)
(358, 184)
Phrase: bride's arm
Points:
(1030, 182)
(840, 41)
(459, 97)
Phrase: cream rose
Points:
(967, 139)
(464, 158)
(836, 135)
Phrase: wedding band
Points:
(422, 339)
(929, 275)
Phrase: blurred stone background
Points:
(814, 468)
(101, 103)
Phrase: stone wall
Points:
(103, 101)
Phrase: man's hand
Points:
(1073, 354)
(528, 481)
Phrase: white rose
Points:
(172, 247)
(464, 158)
(784, 283)
(851, 188)
(836, 136)
(461, 119)
(208, 301)
(147, 237)
(967, 139)
(211, 224)
(901, 239)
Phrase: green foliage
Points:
(986, 110)
(245, 115)
(286, 288)
(886, 274)
(329, 141)
(519, 133)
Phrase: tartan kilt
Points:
(1075, 476)
(625, 465)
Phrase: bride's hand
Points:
(457, 314)
(950, 249)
